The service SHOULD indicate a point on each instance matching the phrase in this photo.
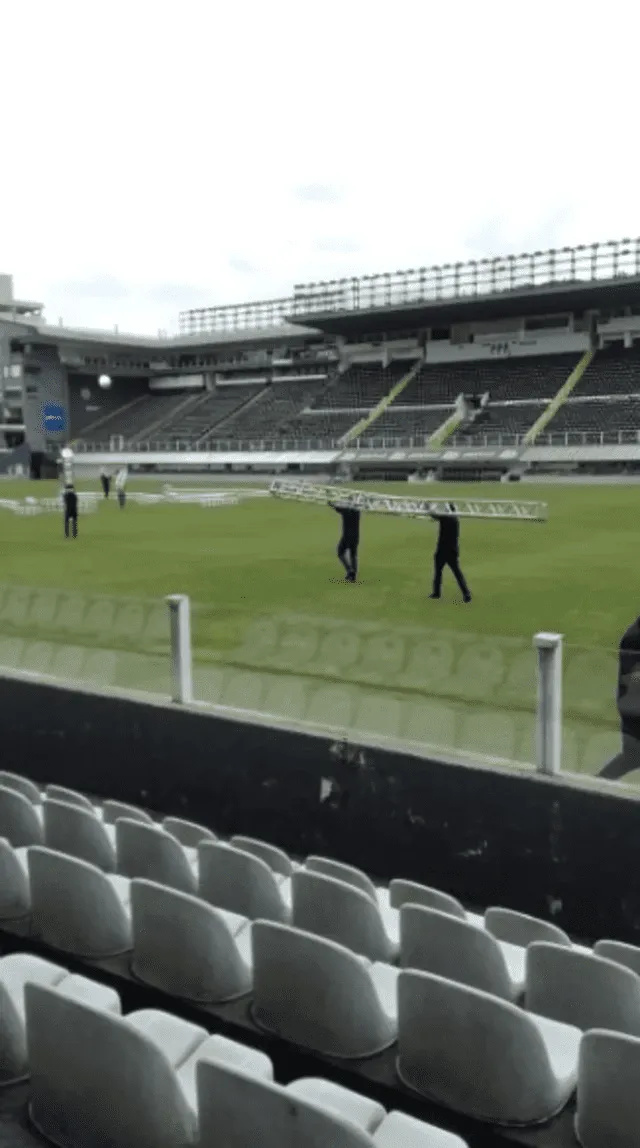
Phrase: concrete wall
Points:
(49, 385)
(539, 845)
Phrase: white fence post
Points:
(549, 716)
(181, 678)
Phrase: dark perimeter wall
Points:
(530, 843)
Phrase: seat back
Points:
(21, 785)
(207, 968)
(73, 829)
(328, 868)
(112, 810)
(15, 970)
(340, 912)
(608, 1098)
(20, 822)
(95, 1078)
(581, 989)
(187, 832)
(70, 797)
(149, 852)
(409, 893)
(316, 994)
(239, 1110)
(445, 1032)
(239, 882)
(438, 943)
(627, 955)
(15, 895)
(520, 929)
(74, 906)
(275, 858)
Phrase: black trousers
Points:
(441, 559)
(348, 555)
(106, 485)
(70, 520)
(626, 761)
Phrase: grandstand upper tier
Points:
(386, 358)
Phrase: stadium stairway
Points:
(371, 417)
(97, 423)
(190, 403)
(563, 394)
(445, 431)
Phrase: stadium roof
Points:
(599, 276)
(37, 331)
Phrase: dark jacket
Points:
(628, 695)
(350, 524)
(71, 504)
(449, 534)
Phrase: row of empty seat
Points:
(210, 411)
(456, 990)
(315, 410)
(152, 1080)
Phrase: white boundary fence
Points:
(549, 663)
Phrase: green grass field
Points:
(277, 630)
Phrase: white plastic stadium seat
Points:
(343, 913)
(76, 907)
(69, 796)
(448, 947)
(112, 810)
(608, 1099)
(627, 955)
(238, 1108)
(148, 851)
(582, 989)
(329, 868)
(21, 785)
(15, 895)
(482, 1056)
(275, 858)
(186, 947)
(319, 995)
(16, 971)
(75, 830)
(20, 820)
(239, 882)
(520, 929)
(409, 893)
(187, 832)
(103, 1079)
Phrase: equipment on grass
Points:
(408, 507)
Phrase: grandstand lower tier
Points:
(159, 990)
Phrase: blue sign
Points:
(54, 418)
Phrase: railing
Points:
(384, 442)
(613, 259)
(235, 317)
(530, 272)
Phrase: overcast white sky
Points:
(160, 156)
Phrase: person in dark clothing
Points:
(105, 479)
(628, 702)
(348, 544)
(447, 553)
(70, 499)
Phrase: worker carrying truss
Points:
(350, 503)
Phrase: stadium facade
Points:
(485, 369)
